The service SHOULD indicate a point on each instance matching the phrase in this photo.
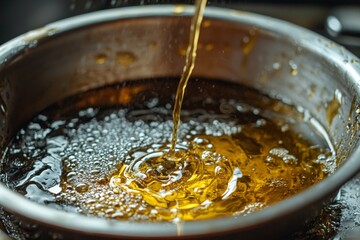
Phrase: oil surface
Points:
(241, 151)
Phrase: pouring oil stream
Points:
(188, 68)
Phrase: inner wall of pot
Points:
(87, 58)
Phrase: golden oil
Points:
(105, 153)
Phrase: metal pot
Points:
(278, 58)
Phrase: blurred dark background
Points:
(336, 19)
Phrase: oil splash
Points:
(333, 107)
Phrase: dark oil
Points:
(105, 152)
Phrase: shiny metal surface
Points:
(3, 236)
(48, 64)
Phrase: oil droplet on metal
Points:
(81, 187)
(179, 9)
(352, 108)
(352, 118)
(238, 12)
(294, 72)
(293, 68)
(126, 58)
(100, 58)
(333, 107)
(357, 110)
(37, 34)
(357, 116)
(247, 44)
(311, 91)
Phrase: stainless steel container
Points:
(278, 58)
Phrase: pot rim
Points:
(21, 206)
